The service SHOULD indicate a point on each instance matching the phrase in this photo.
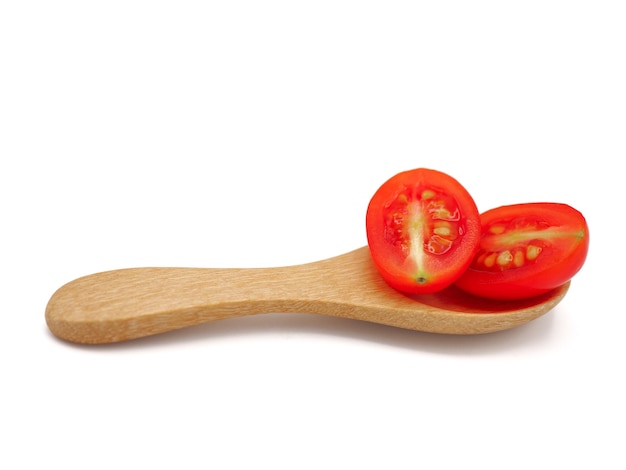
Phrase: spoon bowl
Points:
(131, 303)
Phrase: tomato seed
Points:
(428, 194)
(490, 260)
(532, 251)
(497, 229)
(504, 258)
(443, 231)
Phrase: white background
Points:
(247, 134)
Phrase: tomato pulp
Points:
(526, 250)
(423, 230)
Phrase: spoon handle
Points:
(130, 303)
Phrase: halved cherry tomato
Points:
(423, 230)
(527, 250)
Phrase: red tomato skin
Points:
(440, 271)
(564, 250)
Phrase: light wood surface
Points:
(131, 303)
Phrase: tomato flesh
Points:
(526, 250)
(423, 229)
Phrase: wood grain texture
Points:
(131, 303)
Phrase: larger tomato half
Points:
(423, 229)
(527, 250)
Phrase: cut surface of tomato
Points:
(526, 250)
(423, 229)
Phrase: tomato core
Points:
(516, 243)
(422, 221)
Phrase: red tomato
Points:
(423, 230)
(527, 250)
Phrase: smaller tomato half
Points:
(423, 230)
(526, 250)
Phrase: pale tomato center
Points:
(422, 222)
(516, 243)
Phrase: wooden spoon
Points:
(131, 303)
